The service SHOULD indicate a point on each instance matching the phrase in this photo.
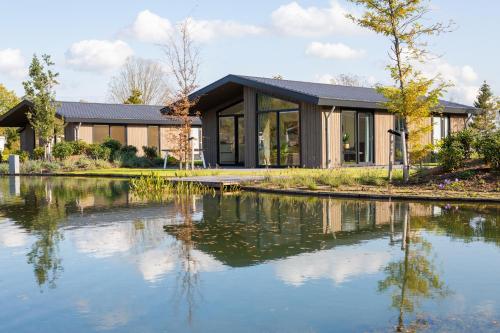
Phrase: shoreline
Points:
(292, 191)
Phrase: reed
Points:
(157, 187)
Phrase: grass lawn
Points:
(171, 172)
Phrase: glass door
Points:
(357, 137)
(227, 140)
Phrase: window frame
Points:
(356, 131)
(278, 141)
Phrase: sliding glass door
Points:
(357, 137)
(278, 128)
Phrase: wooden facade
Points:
(314, 120)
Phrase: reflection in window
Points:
(227, 150)
(289, 138)
(398, 142)
(278, 132)
(268, 143)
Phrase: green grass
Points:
(169, 172)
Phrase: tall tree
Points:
(485, 121)
(183, 60)
(8, 100)
(145, 76)
(134, 98)
(39, 89)
(413, 97)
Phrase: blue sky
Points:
(300, 40)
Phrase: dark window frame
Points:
(278, 143)
(356, 125)
(236, 137)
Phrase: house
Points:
(136, 125)
(262, 122)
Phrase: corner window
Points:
(357, 137)
(278, 126)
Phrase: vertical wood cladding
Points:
(384, 121)
(249, 101)
(311, 134)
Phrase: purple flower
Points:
(456, 180)
(441, 186)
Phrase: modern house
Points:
(262, 122)
(136, 125)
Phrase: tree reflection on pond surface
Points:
(217, 262)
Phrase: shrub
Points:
(451, 153)
(488, 148)
(132, 161)
(129, 150)
(39, 166)
(466, 139)
(79, 147)
(62, 150)
(23, 155)
(38, 153)
(4, 168)
(98, 152)
(150, 152)
(112, 144)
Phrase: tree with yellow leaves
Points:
(413, 97)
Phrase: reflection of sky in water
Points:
(122, 272)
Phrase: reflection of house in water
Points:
(248, 229)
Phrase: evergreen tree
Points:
(134, 98)
(486, 101)
(39, 89)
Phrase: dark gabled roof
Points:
(83, 112)
(118, 113)
(317, 93)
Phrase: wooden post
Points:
(391, 155)
(405, 158)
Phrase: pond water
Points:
(87, 255)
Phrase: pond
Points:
(87, 255)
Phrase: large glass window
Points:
(278, 127)
(398, 142)
(100, 133)
(117, 132)
(232, 135)
(357, 137)
(440, 128)
(268, 139)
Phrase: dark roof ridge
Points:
(105, 103)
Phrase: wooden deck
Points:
(218, 181)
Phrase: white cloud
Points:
(98, 55)
(295, 20)
(12, 63)
(12, 236)
(464, 78)
(333, 51)
(149, 27)
(339, 265)
(205, 31)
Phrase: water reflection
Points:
(177, 245)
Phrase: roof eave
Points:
(195, 123)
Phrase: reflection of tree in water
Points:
(45, 206)
(414, 278)
(188, 276)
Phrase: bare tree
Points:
(182, 57)
(140, 75)
(351, 80)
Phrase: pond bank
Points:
(256, 183)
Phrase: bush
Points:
(38, 153)
(129, 150)
(98, 152)
(132, 161)
(39, 166)
(451, 153)
(466, 138)
(488, 148)
(150, 152)
(79, 147)
(23, 155)
(62, 150)
(4, 168)
(112, 144)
